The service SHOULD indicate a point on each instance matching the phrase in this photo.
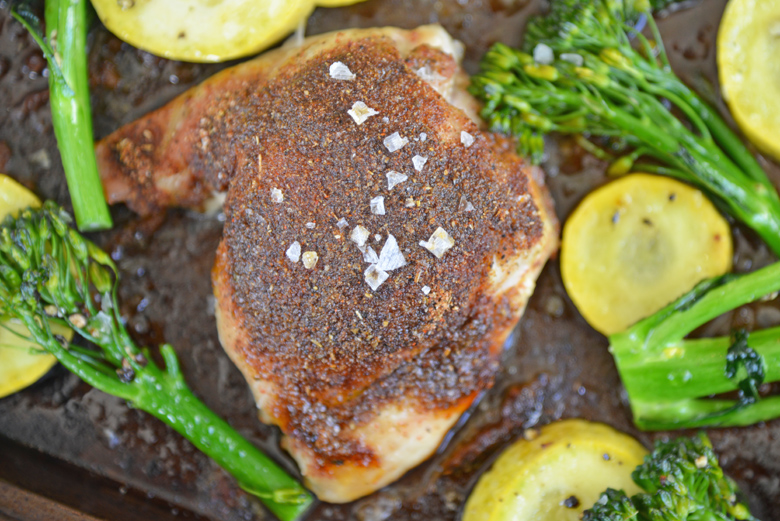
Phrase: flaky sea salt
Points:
(394, 142)
(361, 112)
(423, 136)
(294, 252)
(418, 162)
(575, 59)
(409, 203)
(310, 259)
(311, 225)
(464, 205)
(276, 195)
(369, 255)
(466, 138)
(359, 235)
(378, 205)
(374, 276)
(543, 54)
(339, 71)
(426, 290)
(393, 178)
(390, 258)
(425, 73)
(342, 223)
(439, 243)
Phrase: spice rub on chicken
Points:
(378, 247)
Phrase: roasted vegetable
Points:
(585, 69)
(749, 69)
(555, 475)
(50, 274)
(204, 30)
(22, 362)
(671, 380)
(681, 479)
(637, 243)
(65, 49)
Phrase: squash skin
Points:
(637, 243)
(534, 477)
(205, 30)
(748, 45)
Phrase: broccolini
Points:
(674, 382)
(681, 479)
(50, 273)
(65, 49)
(586, 69)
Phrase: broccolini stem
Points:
(65, 49)
(48, 272)
(670, 380)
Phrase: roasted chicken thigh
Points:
(378, 247)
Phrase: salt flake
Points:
(439, 243)
(390, 258)
(360, 112)
(418, 162)
(294, 252)
(339, 71)
(543, 54)
(395, 142)
(369, 255)
(311, 225)
(378, 205)
(393, 178)
(374, 276)
(310, 259)
(276, 195)
(466, 138)
(575, 59)
(359, 235)
(426, 290)
(423, 136)
(425, 73)
(342, 223)
(464, 205)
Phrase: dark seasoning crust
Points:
(322, 335)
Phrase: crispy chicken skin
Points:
(363, 383)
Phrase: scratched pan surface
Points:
(66, 441)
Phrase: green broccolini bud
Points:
(621, 166)
(503, 57)
(517, 103)
(592, 77)
(541, 72)
(613, 505)
(537, 121)
(615, 58)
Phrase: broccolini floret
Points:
(50, 273)
(682, 480)
(586, 69)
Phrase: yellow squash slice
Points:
(637, 243)
(557, 475)
(749, 69)
(205, 30)
(18, 366)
